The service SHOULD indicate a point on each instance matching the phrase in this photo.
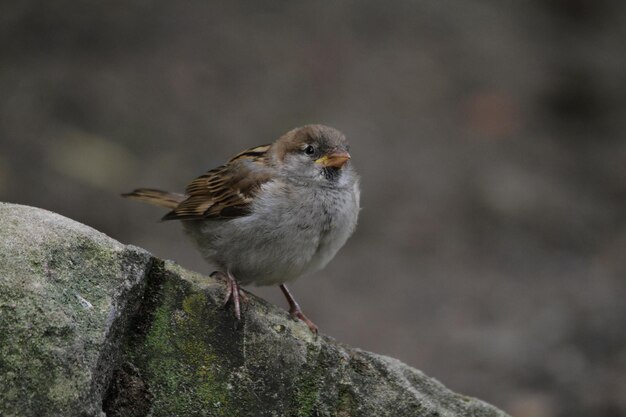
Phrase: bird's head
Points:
(313, 153)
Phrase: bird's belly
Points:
(256, 251)
(276, 255)
(273, 247)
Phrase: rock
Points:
(91, 327)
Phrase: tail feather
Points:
(156, 197)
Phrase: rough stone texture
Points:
(89, 326)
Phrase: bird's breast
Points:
(290, 232)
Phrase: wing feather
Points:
(226, 191)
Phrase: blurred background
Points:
(489, 136)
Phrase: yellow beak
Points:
(334, 160)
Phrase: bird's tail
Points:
(156, 197)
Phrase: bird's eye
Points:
(309, 150)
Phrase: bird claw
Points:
(298, 315)
(233, 294)
(237, 296)
(296, 312)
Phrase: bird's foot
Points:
(296, 312)
(234, 293)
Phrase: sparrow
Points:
(272, 213)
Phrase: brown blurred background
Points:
(489, 136)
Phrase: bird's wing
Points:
(227, 191)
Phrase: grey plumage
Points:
(292, 230)
(273, 212)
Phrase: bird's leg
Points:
(233, 292)
(295, 311)
(243, 296)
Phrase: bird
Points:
(272, 213)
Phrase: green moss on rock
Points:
(176, 356)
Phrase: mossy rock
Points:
(91, 327)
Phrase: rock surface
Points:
(91, 327)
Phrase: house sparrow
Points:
(272, 213)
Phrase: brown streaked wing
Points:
(256, 153)
(226, 191)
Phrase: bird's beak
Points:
(335, 159)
